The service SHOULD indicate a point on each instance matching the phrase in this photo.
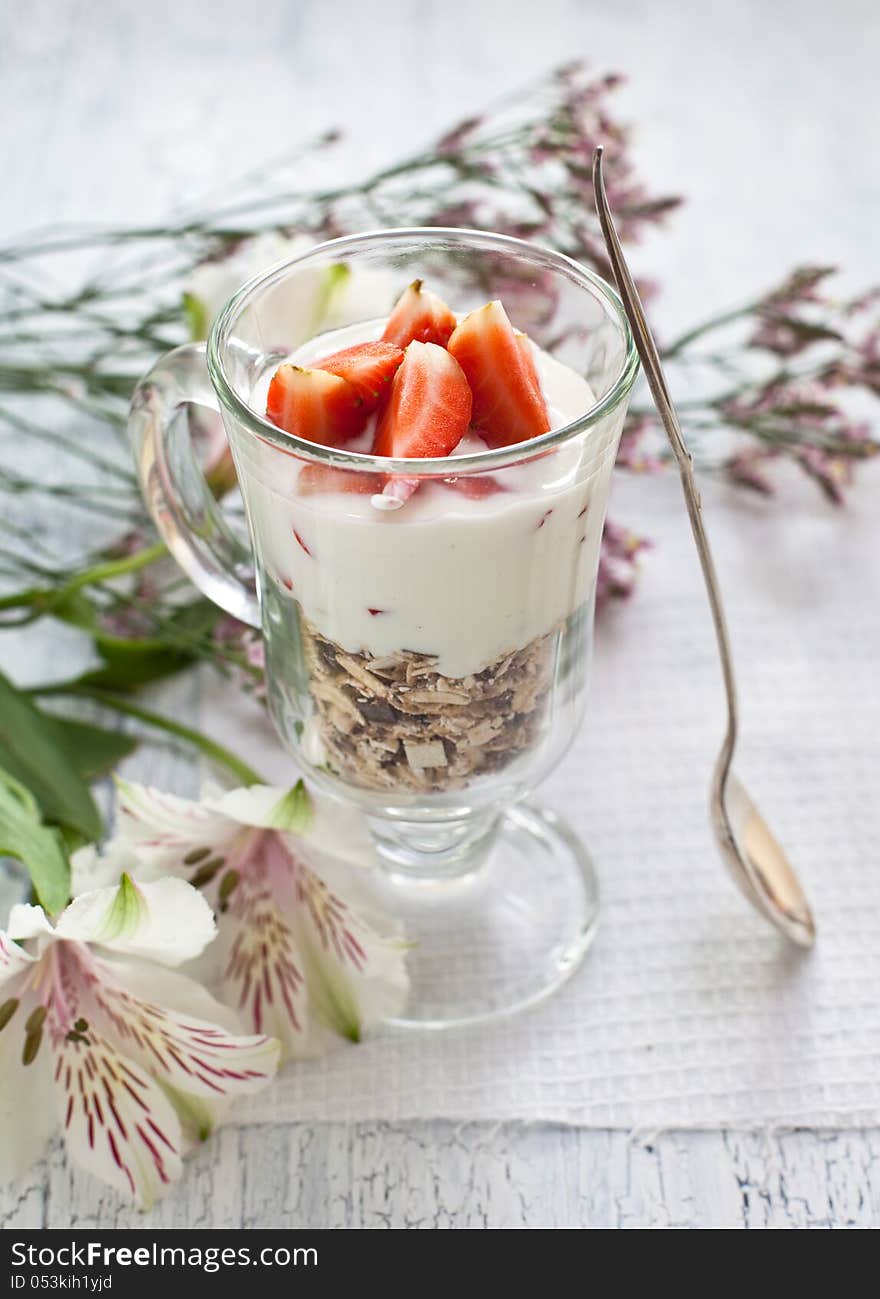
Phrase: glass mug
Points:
(427, 663)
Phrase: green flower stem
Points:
(210, 748)
(45, 599)
(707, 326)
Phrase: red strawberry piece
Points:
(525, 347)
(421, 316)
(368, 367)
(316, 479)
(429, 409)
(474, 486)
(315, 405)
(508, 403)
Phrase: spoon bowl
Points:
(757, 862)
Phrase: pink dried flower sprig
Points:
(632, 453)
(523, 169)
(785, 324)
(618, 563)
(806, 366)
(244, 654)
(802, 420)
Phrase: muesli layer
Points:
(395, 723)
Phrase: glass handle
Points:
(173, 483)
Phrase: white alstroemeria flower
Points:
(304, 955)
(318, 300)
(131, 1058)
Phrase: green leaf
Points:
(196, 317)
(40, 849)
(95, 750)
(133, 666)
(294, 811)
(129, 663)
(33, 751)
(76, 609)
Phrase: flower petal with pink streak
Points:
(117, 1122)
(162, 828)
(194, 1055)
(25, 1128)
(356, 976)
(263, 973)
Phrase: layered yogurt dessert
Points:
(430, 606)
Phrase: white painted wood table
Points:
(117, 113)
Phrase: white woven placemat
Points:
(689, 1009)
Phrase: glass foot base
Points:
(492, 942)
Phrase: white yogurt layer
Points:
(467, 580)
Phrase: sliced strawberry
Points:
(316, 479)
(421, 316)
(429, 409)
(508, 403)
(368, 367)
(525, 347)
(315, 405)
(474, 486)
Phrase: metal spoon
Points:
(748, 848)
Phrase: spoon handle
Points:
(650, 359)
